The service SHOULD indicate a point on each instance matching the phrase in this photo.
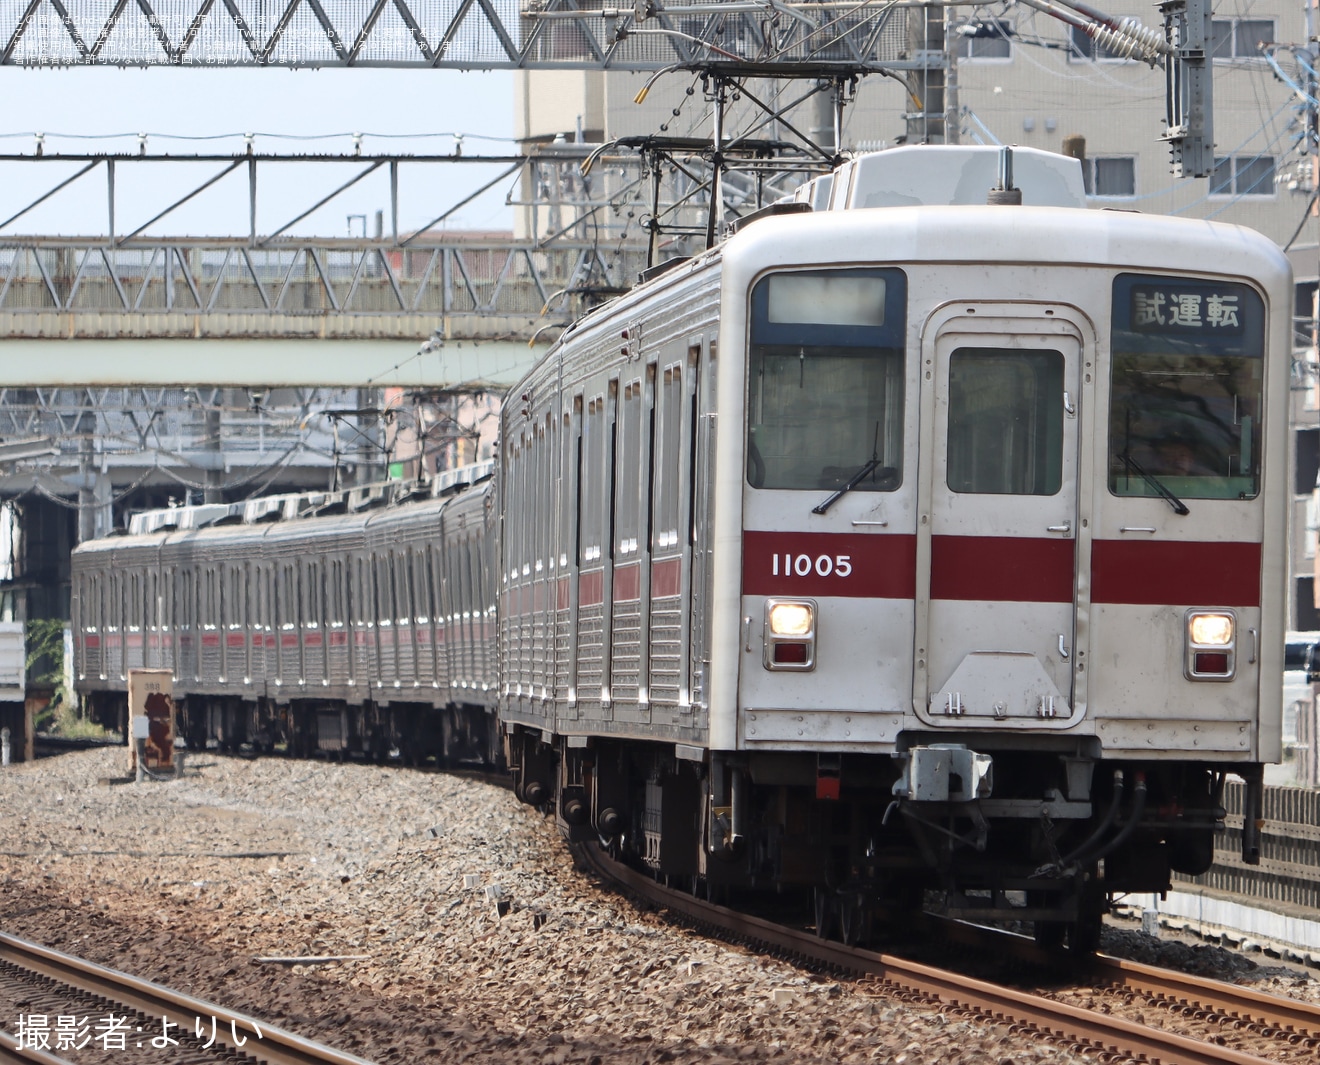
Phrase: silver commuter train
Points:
(915, 551)
(331, 621)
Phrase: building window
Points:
(1243, 175)
(1084, 47)
(1307, 473)
(986, 39)
(1112, 175)
(1308, 617)
(1240, 38)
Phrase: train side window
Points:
(1005, 421)
(627, 471)
(592, 482)
(1186, 388)
(825, 379)
(421, 587)
(570, 457)
(359, 591)
(667, 458)
(384, 591)
(403, 570)
(312, 594)
(649, 441)
(545, 561)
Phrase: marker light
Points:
(791, 619)
(1210, 630)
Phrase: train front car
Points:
(999, 544)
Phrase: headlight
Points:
(1210, 630)
(1211, 652)
(790, 634)
(791, 619)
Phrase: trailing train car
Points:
(338, 622)
(926, 550)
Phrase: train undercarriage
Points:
(1054, 844)
(409, 733)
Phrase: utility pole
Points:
(926, 85)
(952, 115)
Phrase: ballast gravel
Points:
(462, 930)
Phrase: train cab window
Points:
(1005, 421)
(1186, 389)
(825, 380)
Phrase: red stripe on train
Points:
(853, 565)
(628, 582)
(1176, 572)
(1003, 569)
(591, 588)
(666, 578)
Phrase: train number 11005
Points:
(790, 565)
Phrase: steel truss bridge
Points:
(133, 279)
(461, 34)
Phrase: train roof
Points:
(148, 529)
(942, 175)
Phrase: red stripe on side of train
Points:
(628, 582)
(562, 594)
(852, 565)
(591, 588)
(1003, 569)
(1164, 571)
(666, 577)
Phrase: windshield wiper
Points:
(853, 481)
(1179, 507)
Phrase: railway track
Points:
(1294, 1025)
(54, 983)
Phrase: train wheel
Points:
(823, 904)
(1050, 935)
(855, 912)
(1084, 933)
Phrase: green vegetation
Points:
(45, 653)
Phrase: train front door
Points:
(999, 529)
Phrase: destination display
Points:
(1181, 308)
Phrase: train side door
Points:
(997, 540)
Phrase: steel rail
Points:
(1229, 1000)
(12, 1051)
(1000, 1005)
(258, 1041)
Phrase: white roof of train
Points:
(303, 504)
